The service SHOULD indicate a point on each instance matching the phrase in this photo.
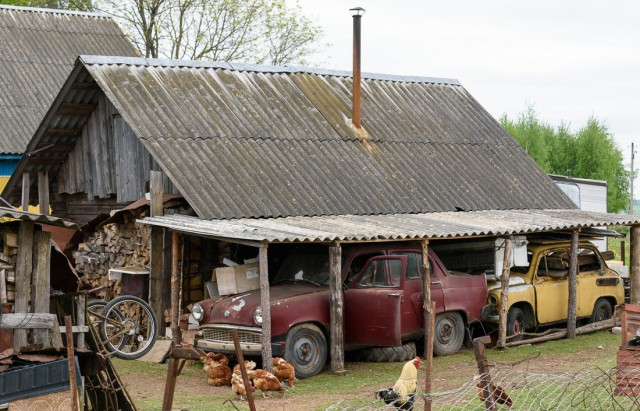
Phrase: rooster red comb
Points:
(416, 362)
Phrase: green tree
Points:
(589, 153)
(79, 5)
(256, 31)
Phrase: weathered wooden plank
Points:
(336, 306)
(265, 300)
(72, 109)
(81, 309)
(24, 269)
(21, 322)
(43, 192)
(3, 286)
(26, 184)
(156, 275)
(89, 85)
(573, 286)
(62, 132)
(156, 193)
(41, 279)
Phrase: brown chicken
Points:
(237, 384)
(499, 394)
(265, 381)
(217, 370)
(284, 371)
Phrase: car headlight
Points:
(257, 316)
(197, 311)
(493, 300)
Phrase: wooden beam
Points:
(55, 147)
(71, 361)
(336, 309)
(156, 193)
(81, 309)
(504, 292)
(72, 109)
(26, 185)
(573, 286)
(24, 268)
(155, 277)
(90, 85)
(21, 322)
(427, 308)
(634, 271)
(175, 289)
(41, 280)
(62, 132)
(47, 161)
(167, 247)
(43, 192)
(266, 309)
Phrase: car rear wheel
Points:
(516, 324)
(306, 350)
(601, 311)
(448, 333)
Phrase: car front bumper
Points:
(218, 338)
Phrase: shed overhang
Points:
(36, 218)
(391, 227)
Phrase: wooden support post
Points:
(167, 250)
(41, 281)
(156, 284)
(623, 250)
(81, 309)
(170, 385)
(634, 271)
(175, 289)
(485, 372)
(71, 359)
(573, 286)
(265, 303)
(24, 268)
(26, 182)
(243, 370)
(429, 358)
(3, 286)
(156, 194)
(426, 302)
(43, 192)
(336, 308)
(504, 292)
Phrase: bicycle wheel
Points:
(95, 310)
(129, 327)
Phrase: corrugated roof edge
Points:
(139, 61)
(54, 11)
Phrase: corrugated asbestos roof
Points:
(391, 227)
(36, 218)
(252, 141)
(246, 141)
(38, 48)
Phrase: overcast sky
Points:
(570, 59)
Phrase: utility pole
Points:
(632, 175)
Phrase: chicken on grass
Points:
(284, 371)
(402, 394)
(237, 384)
(217, 370)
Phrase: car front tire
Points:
(306, 350)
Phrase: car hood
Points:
(239, 308)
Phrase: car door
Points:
(551, 283)
(372, 304)
(590, 269)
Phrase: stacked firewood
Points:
(112, 246)
(8, 254)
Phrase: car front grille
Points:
(223, 335)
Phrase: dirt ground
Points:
(192, 392)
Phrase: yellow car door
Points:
(552, 286)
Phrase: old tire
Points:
(516, 324)
(448, 334)
(405, 352)
(306, 350)
(601, 311)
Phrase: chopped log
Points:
(27, 321)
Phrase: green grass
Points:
(362, 379)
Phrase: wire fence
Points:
(508, 388)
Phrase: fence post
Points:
(485, 375)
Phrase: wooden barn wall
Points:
(108, 160)
(81, 210)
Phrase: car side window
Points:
(381, 273)
(588, 260)
(554, 264)
(414, 264)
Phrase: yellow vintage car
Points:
(539, 293)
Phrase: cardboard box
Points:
(238, 279)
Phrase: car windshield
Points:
(309, 266)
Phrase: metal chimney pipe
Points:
(357, 101)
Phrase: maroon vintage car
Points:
(383, 302)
